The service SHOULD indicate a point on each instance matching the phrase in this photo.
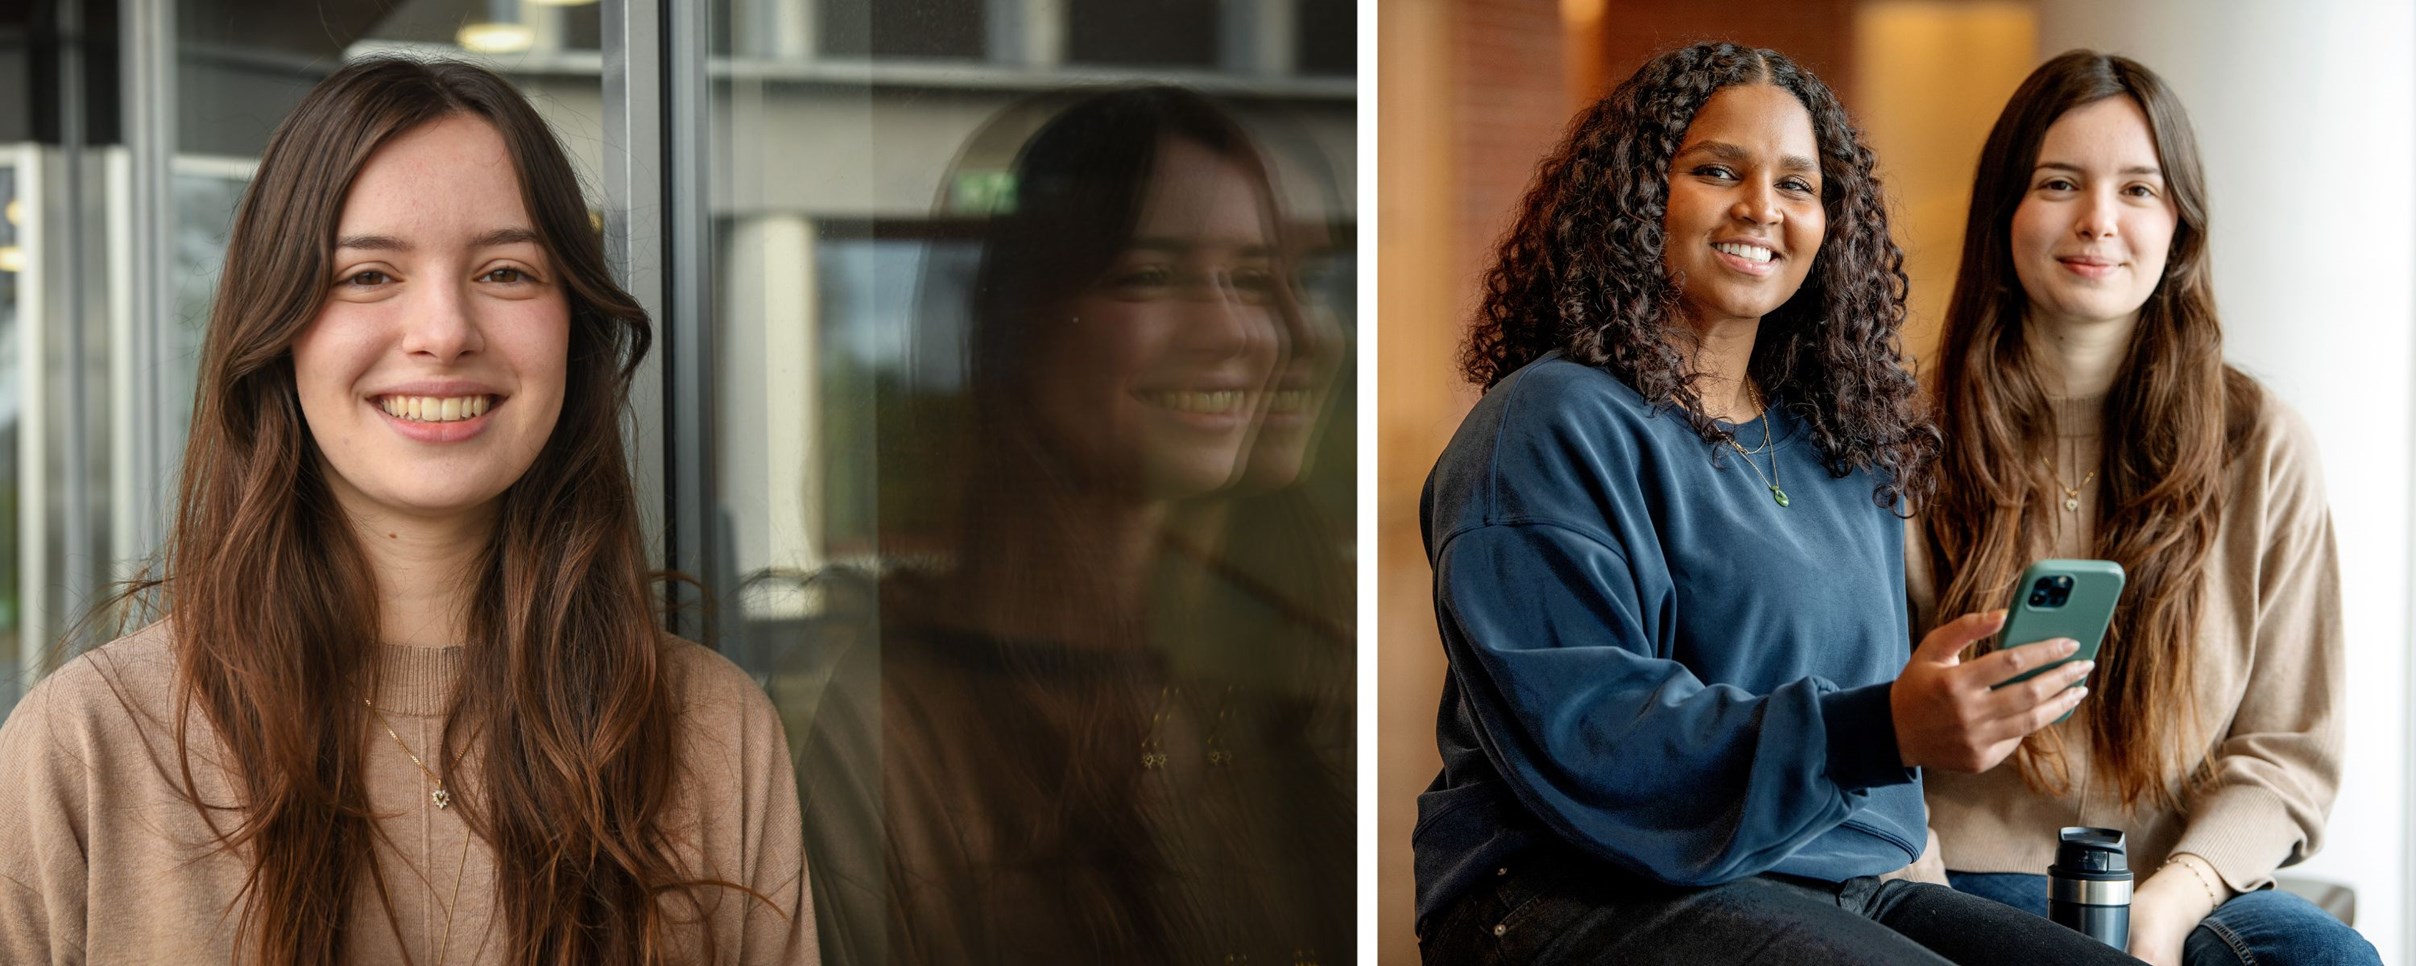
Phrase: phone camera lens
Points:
(2038, 597)
(2063, 583)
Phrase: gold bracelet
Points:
(2195, 874)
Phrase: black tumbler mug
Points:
(2089, 886)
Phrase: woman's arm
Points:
(43, 872)
(1627, 753)
(2276, 770)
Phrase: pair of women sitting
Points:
(1686, 719)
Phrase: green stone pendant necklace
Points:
(1771, 479)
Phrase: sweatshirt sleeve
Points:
(1618, 747)
(44, 799)
(2276, 770)
(782, 933)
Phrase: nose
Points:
(2096, 217)
(444, 326)
(1757, 204)
(1225, 323)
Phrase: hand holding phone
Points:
(2062, 599)
(1969, 715)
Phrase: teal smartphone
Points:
(2062, 598)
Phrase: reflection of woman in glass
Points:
(1071, 767)
(1680, 724)
(2091, 415)
(409, 702)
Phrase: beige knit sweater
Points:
(102, 860)
(2270, 681)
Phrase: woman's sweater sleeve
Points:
(45, 797)
(2275, 772)
(1618, 747)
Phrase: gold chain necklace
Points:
(443, 800)
(1771, 479)
(440, 796)
(2071, 493)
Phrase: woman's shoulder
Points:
(1550, 412)
(2268, 438)
(139, 667)
(1556, 389)
(109, 699)
(707, 682)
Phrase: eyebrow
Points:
(1732, 153)
(388, 243)
(2145, 169)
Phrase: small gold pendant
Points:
(2072, 503)
(443, 798)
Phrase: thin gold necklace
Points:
(1771, 479)
(2071, 493)
(440, 796)
(443, 800)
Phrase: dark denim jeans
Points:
(1576, 911)
(2262, 928)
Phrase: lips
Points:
(1748, 258)
(2089, 266)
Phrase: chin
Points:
(1177, 481)
(440, 501)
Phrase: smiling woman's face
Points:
(2096, 224)
(1744, 219)
(1152, 381)
(433, 373)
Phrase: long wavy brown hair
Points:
(2165, 445)
(1580, 270)
(273, 605)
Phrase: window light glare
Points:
(496, 38)
(560, 3)
(15, 211)
(12, 259)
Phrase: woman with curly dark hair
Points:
(1681, 724)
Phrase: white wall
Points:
(2306, 118)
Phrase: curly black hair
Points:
(1580, 270)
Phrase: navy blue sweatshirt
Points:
(1651, 660)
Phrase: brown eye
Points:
(1142, 277)
(368, 279)
(507, 276)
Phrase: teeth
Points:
(1287, 400)
(434, 409)
(1751, 253)
(1220, 401)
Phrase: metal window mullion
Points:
(633, 225)
(148, 415)
(689, 406)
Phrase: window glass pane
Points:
(1329, 37)
(1157, 33)
(1032, 409)
(904, 28)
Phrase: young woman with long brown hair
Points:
(1086, 733)
(2089, 413)
(1682, 724)
(408, 701)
